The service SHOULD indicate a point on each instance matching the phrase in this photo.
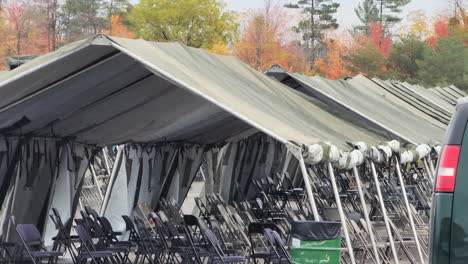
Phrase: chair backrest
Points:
(83, 233)
(278, 244)
(191, 220)
(211, 238)
(86, 239)
(92, 213)
(201, 206)
(142, 230)
(129, 226)
(28, 232)
(106, 226)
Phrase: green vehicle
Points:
(449, 215)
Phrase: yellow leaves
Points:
(418, 25)
(197, 23)
(220, 48)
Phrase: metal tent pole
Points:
(384, 213)
(431, 165)
(285, 166)
(111, 181)
(428, 171)
(106, 160)
(310, 194)
(408, 208)
(98, 185)
(340, 211)
(366, 214)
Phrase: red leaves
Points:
(440, 31)
(380, 39)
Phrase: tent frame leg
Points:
(285, 166)
(408, 209)
(366, 214)
(96, 181)
(113, 175)
(308, 187)
(428, 171)
(384, 213)
(340, 211)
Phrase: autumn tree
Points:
(18, 15)
(263, 42)
(197, 23)
(117, 28)
(220, 48)
(257, 45)
(371, 52)
(5, 40)
(441, 30)
(333, 66)
(417, 26)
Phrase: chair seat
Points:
(96, 254)
(277, 260)
(261, 255)
(229, 259)
(112, 248)
(46, 254)
(123, 243)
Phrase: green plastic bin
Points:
(315, 242)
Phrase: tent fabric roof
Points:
(450, 94)
(111, 90)
(426, 108)
(380, 107)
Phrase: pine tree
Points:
(320, 18)
(386, 11)
(367, 12)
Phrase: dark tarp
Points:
(315, 231)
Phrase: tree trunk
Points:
(381, 11)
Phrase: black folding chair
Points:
(278, 245)
(146, 249)
(87, 249)
(104, 243)
(220, 257)
(63, 239)
(32, 241)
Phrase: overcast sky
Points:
(346, 16)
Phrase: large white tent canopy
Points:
(107, 91)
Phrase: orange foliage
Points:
(263, 42)
(118, 29)
(21, 31)
(333, 66)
